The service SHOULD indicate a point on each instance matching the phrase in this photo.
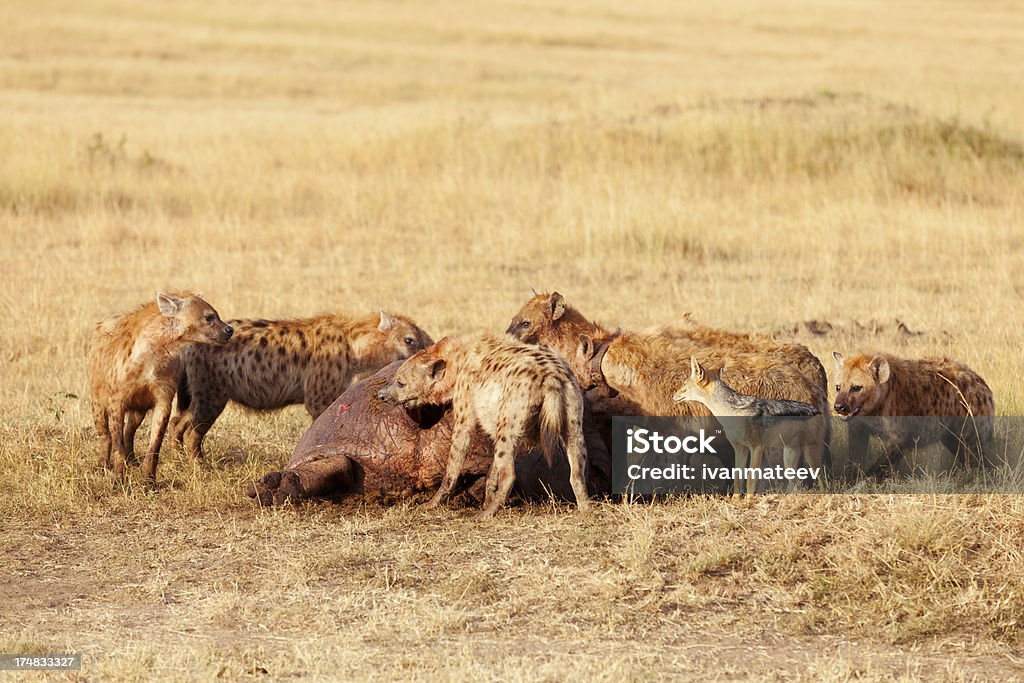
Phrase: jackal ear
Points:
(386, 321)
(169, 304)
(437, 369)
(557, 306)
(586, 346)
(697, 370)
(880, 367)
(839, 358)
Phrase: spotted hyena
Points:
(270, 364)
(135, 362)
(518, 394)
(548, 319)
(885, 388)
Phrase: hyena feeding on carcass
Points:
(270, 364)
(135, 363)
(636, 373)
(518, 395)
(910, 403)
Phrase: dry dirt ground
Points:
(847, 174)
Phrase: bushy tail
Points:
(552, 418)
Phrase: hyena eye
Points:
(210, 317)
(409, 341)
(855, 389)
(838, 388)
(400, 384)
(524, 324)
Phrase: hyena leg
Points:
(132, 420)
(885, 467)
(576, 448)
(859, 450)
(755, 462)
(462, 436)
(962, 440)
(100, 418)
(204, 411)
(179, 426)
(502, 474)
(161, 413)
(116, 425)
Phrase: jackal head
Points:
(196, 321)
(862, 384)
(697, 387)
(423, 379)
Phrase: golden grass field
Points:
(757, 164)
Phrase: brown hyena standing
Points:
(135, 362)
(271, 364)
(890, 392)
(518, 394)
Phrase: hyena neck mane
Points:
(628, 363)
(567, 329)
(367, 345)
(161, 337)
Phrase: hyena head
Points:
(586, 365)
(582, 363)
(423, 379)
(535, 321)
(697, 387)
(196, 320)
(862, 384)
(399, 338)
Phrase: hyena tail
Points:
(553, 413)
(184, 393)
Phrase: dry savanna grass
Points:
(757, 164)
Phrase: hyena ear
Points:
(169, 304)
(586, 347)
(437, 369)
(880, 367)
(386, 321)
(840, 359)
(557, 306)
